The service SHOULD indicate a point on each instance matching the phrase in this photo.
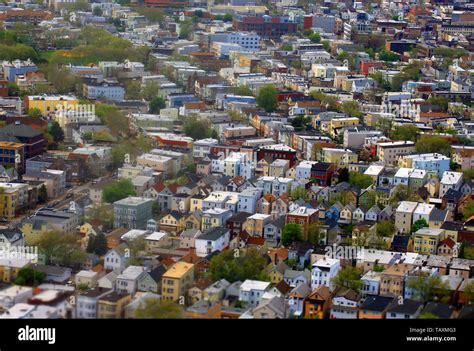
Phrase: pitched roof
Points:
(376, 303)
(407, 307)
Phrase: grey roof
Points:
(301, 289)
(20, 130)
(407, 307)
(438, 215)
(213, 233)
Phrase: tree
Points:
(61, 248)
(330, 102)
(428, 288)
(406, 132)
(344, 197)
(440, 101)
(316, 233)
(97, 11)
(352, 109)
(150, 90)
(243, 90)
(316, 151)
(300, 193)
(118, 190)
(185, 29)
(42, 194)
(34, 112)
(385, 125)
(267, 98)
(360, 180)
(348, 277)
(343, 175)
(291, 232)
(159, 309)
(195, 127)
(103, 213)
(133, 90)
(29, 276)
(156, 104)
(385, 228)
(420, 223)
(468, 209)
(433, 144)
(469, 293)
(238, 265)
(56, 132)
(427, 315)
(97, 244)
(113, 118)
(315, 38)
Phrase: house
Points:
(127, 281)
(112, 306)
(373, 213)
(293, 278)
(346, 214)
(324, 270)
(409, 309)
(108, 280)
(187, 239)
(334, 211)
(117, 258)
(87, 278)
(255, 223)
(172, 222)
(204, 309)
(216, 291)
(371, 283)
(426, 240)
(450, 180)
(404, 216)
(251, 291)
(300, 252)
(440, 310)
(317, 303)
(156, 240)
(447, 247)
(345, 304)
(392, 280)
(151, 280)
(374, 307)
(275, 308)
(236, 222)
(359, 214)
(177, 280)
(296, 299)
(215, 217)
(272, 231)
(212, 239)
(276, 271)
(304, 217)
(86, 303)
(54, 274)
(132, 212)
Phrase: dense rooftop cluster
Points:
(237, 159)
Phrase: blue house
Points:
(334, 211)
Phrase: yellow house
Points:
(276, 272)
(31, 229)
(177, 280)
(254, 224)
(193, 221)
(112, 305)
(9, 269)
(49, 104)
(426, 240)
(341, 157)
(195, 204)
(13, 197)
(337, 123)
(172, 222)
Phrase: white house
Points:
(370, 283)
(248, 200)
(251, 291)
(86, 304)
(213, 239)
(344, 305)
(450, 180)
(303, 170)
(127, 282)
(323, 271)
(116, 259)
